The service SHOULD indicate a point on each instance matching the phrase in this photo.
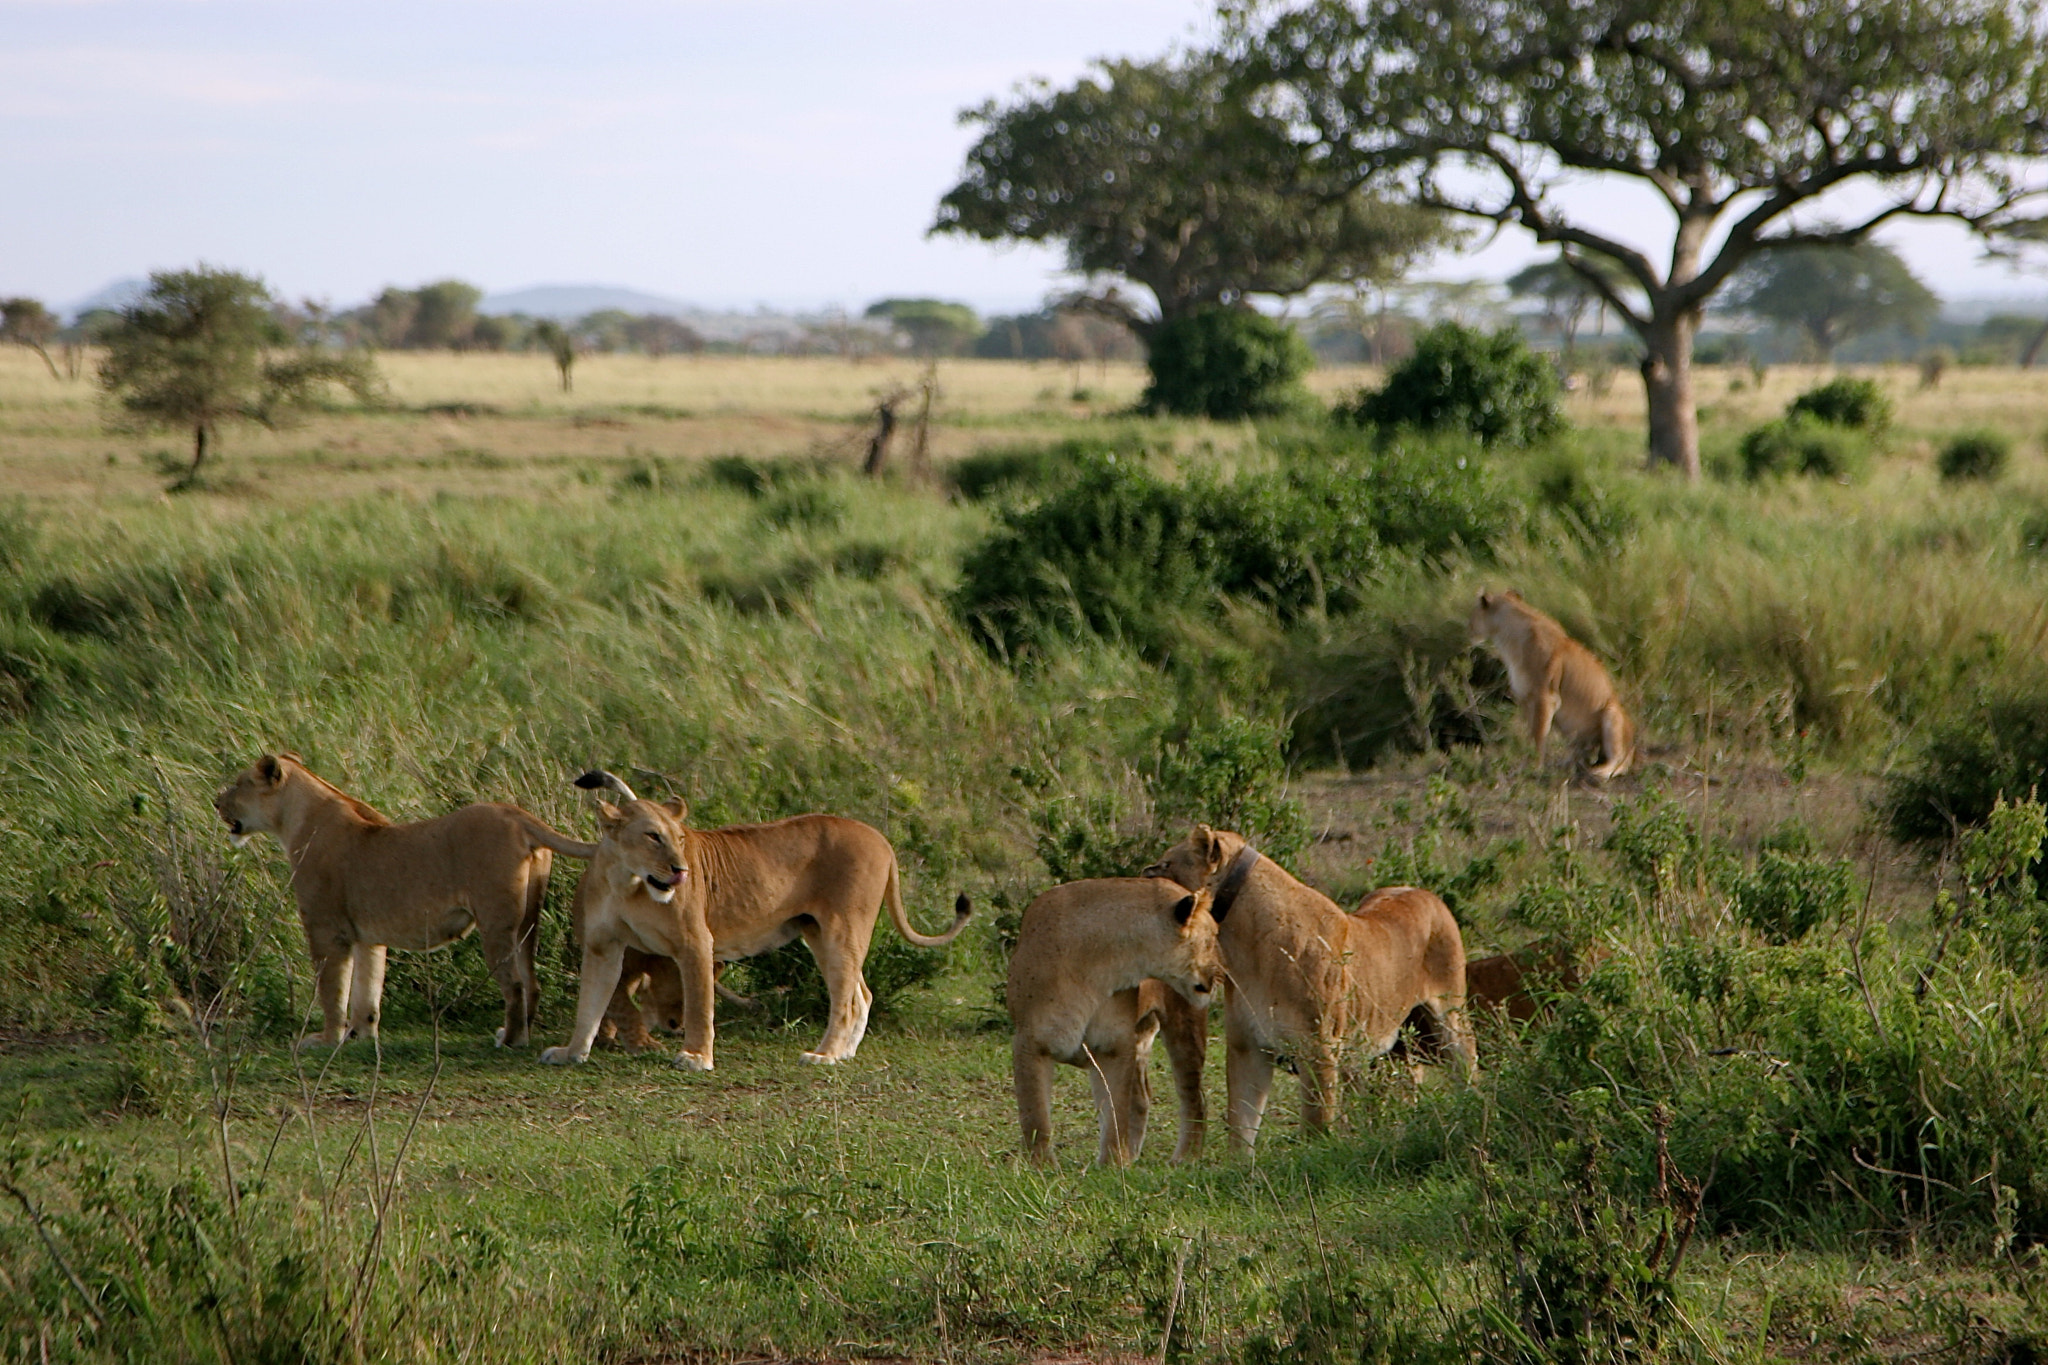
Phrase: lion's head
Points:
(1489, 610)
(647, 838)
(1199, 961)
(249, 803)
(1200, 860)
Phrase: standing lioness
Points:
(1090, 980)
(364, 885)
(708, 896)
(1555, 680)
(1305, 981)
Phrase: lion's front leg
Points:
(699, 973)
(601, 965)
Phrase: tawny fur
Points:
(1556, 682)
(365, 885)
(736, 892)
(1520, 984)
(1095, 967)
(1308, 984)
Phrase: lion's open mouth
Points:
(664, 889)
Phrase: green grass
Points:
(790, 648)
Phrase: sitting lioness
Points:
(706, 896)
(1307, 981)
(364, 885)
(1556, 681)
(1095, 965)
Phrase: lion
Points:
(1099, 969)
(1306, 982)
(701, 897)
(365, 885)
(1556, 681)
(650, 991)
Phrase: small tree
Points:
(1833, 293)
(203, 347)
(444, 315)
(555, 339)
(25, 322)
(932, 326)
(1227, 364)
(1565, 296)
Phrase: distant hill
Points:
(119, 294)
(568, 301)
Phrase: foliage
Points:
(1158, 173)
(1561, 287)
(1493, 387)
(1980, 454)
(1804, 445)
(1789, 895)
(1226, 364)
(201, 349)
(933, 327)
(26, 322)
(1969, 760)
(559, 343)
(1858, 404)
(1833, 293)
(1485, 110)
(1122, 554)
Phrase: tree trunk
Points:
(1667, 382)
(199, 434)
(2033, 351)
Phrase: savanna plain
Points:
(1794, 1110)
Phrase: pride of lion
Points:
(1101, 969)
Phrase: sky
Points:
(729, 153)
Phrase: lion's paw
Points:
(819, 1059)
(560, 1056)
(499, 1036)
(690, 1061)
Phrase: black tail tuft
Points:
(593, 781)
(963, 907)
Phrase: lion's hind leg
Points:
(841, 950)
(366, 990)
(1617, 742)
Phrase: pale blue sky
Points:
(727, 152)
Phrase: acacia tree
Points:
(26, 322)
(1832, 293)
(1564, 295)
(556, 340)
(933, 327)
(1737, 114)
(203, 347)
(1156, 173)
(2019, 245)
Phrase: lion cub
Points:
(1089, 980)
(364, 885)
(1555, 680)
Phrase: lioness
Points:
(1094, 970)
(364, 885)
(1555, 680)
(1305, 979)
(704, 896)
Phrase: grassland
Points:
(489, 584)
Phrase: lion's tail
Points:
(962, 909)
(546, 836)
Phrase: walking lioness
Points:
(365, 885)
(1555, 680)
(706, 896)
(1305, 982)
(1098, 969)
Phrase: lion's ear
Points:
(609, 816)
(1485, 599)
(1207, 846)
(269, 769)
(1184, 910)
(678, 808)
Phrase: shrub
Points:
(1788, 895)
(1855, 403)
(1599, 515)
(1227, 364)
(1967, 763)
(1804, 445)
(1039, 468)
(1459, 379)
(1975, 455)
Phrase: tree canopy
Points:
(1159, 174)
(26, 322)
(1738, 114)
(204, 347)
(932, 326)
(1832, 293)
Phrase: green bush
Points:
(1598, 513)
(1859, 404)
(1966, 763)
(1975, 455)
(1227, 364)
(1787, 895)
(993, 473)
(1459, 379)
(1122, 554)
(1802, 444)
